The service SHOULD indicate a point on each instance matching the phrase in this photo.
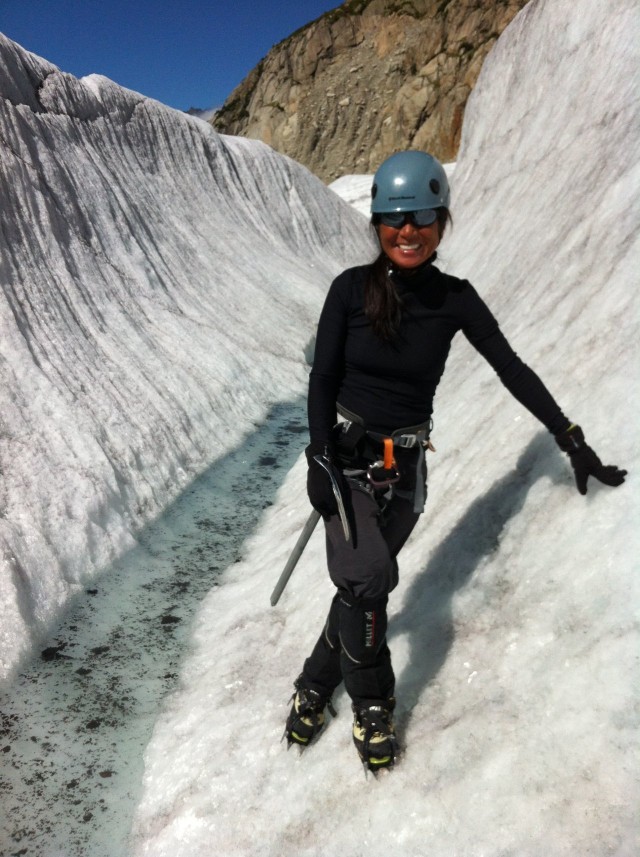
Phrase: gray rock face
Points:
(368, 79)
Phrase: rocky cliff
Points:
(367, 79)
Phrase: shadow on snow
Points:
(427, 615)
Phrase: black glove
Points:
(585, 462)
(319, 486)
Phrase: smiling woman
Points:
(383, 339)
(409, 211)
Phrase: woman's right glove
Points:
(319, 486)
(585, 462)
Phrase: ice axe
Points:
(296, 553)
(310, 526)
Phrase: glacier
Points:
(142, 338)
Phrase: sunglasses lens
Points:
(393, 218)
(424, 217)
(396, 219)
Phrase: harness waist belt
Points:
(407, 437)
(405, 440)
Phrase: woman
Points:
(383, 338)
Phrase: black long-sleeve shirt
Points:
(391, 385)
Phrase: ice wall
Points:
(159, 286)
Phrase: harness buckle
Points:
(407, 441)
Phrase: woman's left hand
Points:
(585, 462)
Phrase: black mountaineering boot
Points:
(306, 718)
(374, 734)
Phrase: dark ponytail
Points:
(382, 303)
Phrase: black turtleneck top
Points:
(391, 385)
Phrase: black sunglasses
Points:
(397, 219)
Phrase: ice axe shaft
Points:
(296, 553)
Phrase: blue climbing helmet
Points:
(409, 181)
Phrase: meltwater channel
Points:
(76, 720)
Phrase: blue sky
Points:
(186, 54)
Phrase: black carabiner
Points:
(380, 476)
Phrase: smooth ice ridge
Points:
(160, 286)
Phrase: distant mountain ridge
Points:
(366, 79)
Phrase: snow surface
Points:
(140, 340)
